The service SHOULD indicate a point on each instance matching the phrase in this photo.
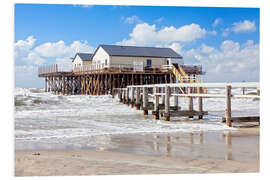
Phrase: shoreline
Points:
(87, 162)
(219, 152)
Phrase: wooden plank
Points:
(242, 119)
(185, 113)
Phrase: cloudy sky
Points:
(224, 40)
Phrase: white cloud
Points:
(237, 27)
(233, 62)
(216, 22)
(34, 58)
(22, 47)
(207, 49)
(27, 53)
(159, 20)
(60, 49)
(28, 57)
(132, 19)
(245, 26)
(226, 32)
(145, 34)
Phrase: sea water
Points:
(46, 120)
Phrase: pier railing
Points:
(118, 67)
(165, 91)
(54, 68)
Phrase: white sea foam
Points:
(46, 117)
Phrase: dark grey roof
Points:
(85, 56)
(114, 50)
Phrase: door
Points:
(148, 62)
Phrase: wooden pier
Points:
(101, 79)
(140, 96)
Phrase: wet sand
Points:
(211, 152)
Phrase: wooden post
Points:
(137, 103)
(175, 99)
(46, 81)
(145, 101)
(156, 101)
(132, 96)
(167, 103)
(124, 96)
(228, 113)
(190, 104)
(120, 95)
(243, 90)
(127, 96)
(163, 96)
(200, 104)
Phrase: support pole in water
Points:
(127, 96)
(200, 103)
(190, 104)
(46, 80)
(120, 95)
(132, 97)
(145, 101)
(124, 96)
(167, 103)
(175, 99)
(156, 101)
(163, 96)
(228, 113)
(137, 103)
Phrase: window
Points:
(148, 62)
(168, 62)
(106, 62)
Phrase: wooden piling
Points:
(167, 103)
(228, 113)
(127, 96)
(145, 100)
(46, 81)
(124, 96)
(156, 104)
(163, 96)
(190, 104)
(137, 103)
(200, 103)
(120, 95)
(175, 98)
(132, 96)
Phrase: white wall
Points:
(126, 60)
(77, 62)
(100, 57)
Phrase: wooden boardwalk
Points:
(139, 95)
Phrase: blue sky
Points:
(224, 40)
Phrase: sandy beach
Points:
(210, 156)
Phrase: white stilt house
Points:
(113, 55)
(81, 59)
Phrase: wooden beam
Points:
(228, 113)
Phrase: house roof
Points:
(84, 56)
(115, 50)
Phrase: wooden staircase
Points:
(183, 77)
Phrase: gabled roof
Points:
(115, 50)
(84, 56)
